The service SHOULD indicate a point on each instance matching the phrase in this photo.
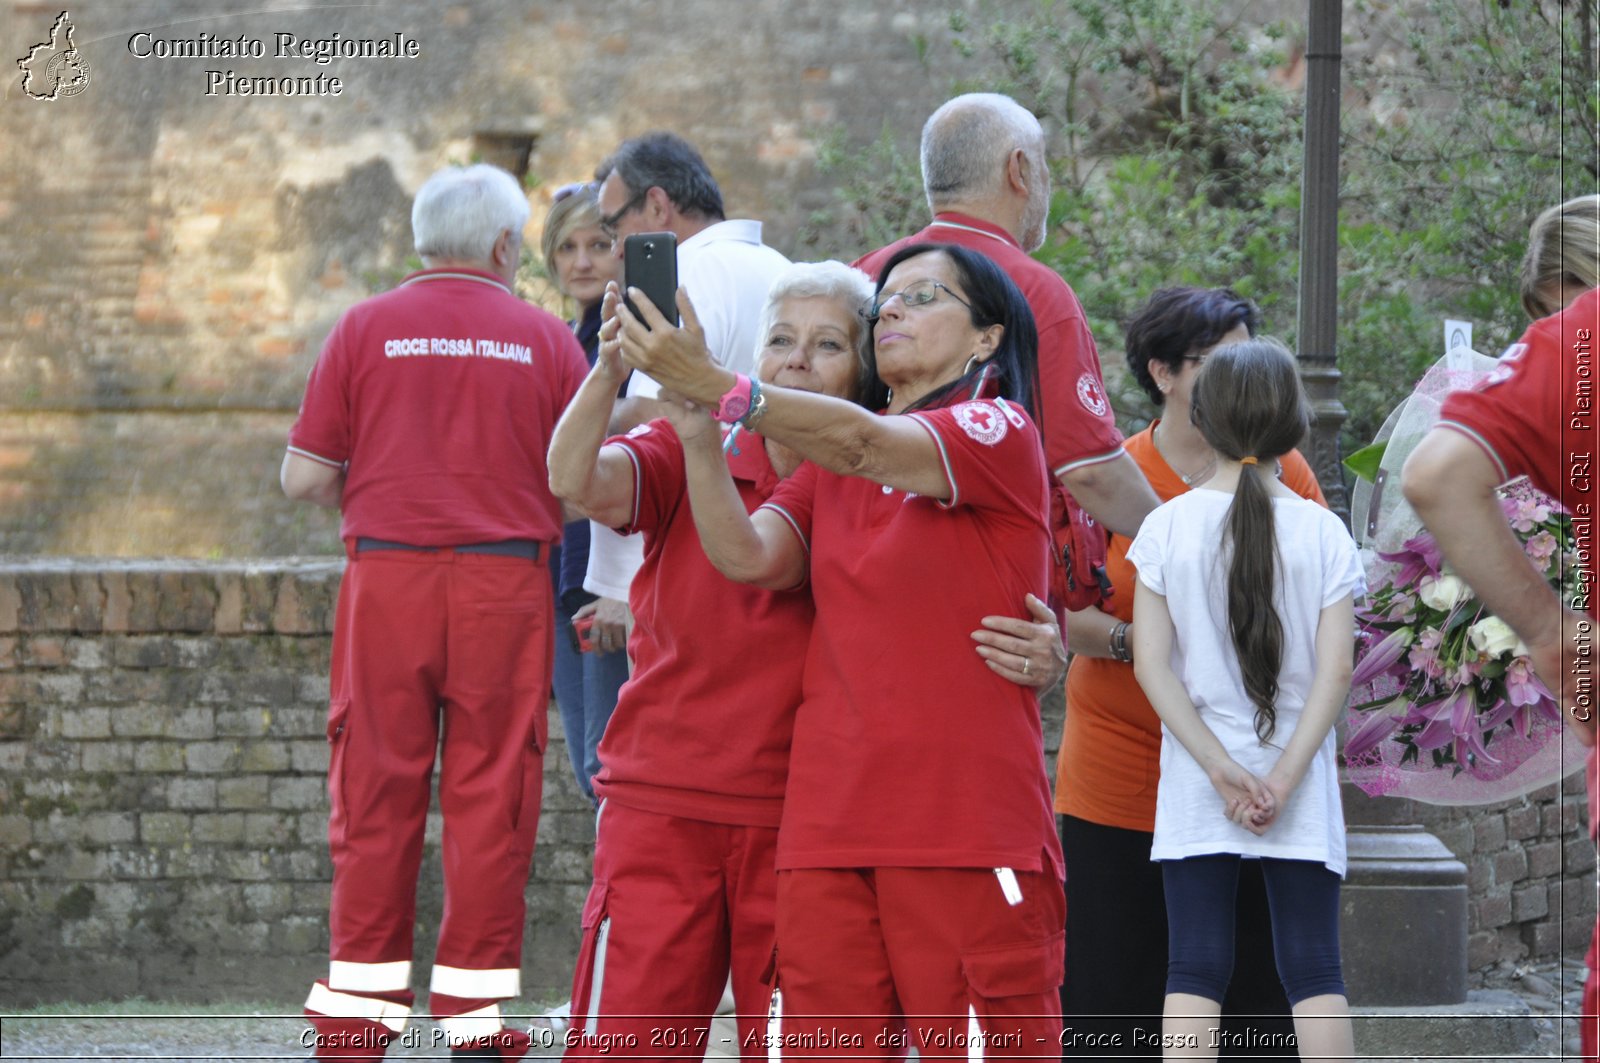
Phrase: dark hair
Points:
(995, 300)
(1178, 320)
(668, 162)
(1248, 403)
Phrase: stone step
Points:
(1489, 1024)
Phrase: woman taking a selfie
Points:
(918, 868)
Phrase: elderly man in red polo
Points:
(426, 420)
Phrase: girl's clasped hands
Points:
(1247, 800)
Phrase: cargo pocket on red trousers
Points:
(1013, 979)
(589, 976)
(338, 719)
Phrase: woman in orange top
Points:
(1110, 748)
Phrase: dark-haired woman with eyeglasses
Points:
(919, 885)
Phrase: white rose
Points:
(1443, 593)
(1493, 637)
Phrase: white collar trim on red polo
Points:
(947, 223)
(453, 275)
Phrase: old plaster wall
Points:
(172, 261)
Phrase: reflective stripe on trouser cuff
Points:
(472, 1026)
(597, 977)
(336, 1005)
(775, 1026)
(974, 1036)
(370, 977)
(502, 983)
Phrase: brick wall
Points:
(163, 811)
(1530, 867)
(163, 814)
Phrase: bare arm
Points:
(1114, 491)
(758, 548)
(631, 412)
(1089, 632)
(1451, 483)
(305, 480)
(1153, 636)
(596, 481)
(1330, 686)
(837, 435)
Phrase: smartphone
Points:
(650, 263)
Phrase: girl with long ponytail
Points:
(1243, 632)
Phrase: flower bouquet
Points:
(1445, 706)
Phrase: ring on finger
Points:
(1027, 665)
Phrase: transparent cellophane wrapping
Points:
(1382, 521)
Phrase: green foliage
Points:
(1176, 135)
(877, 200)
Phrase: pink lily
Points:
(1417, 557)
(1471, 743)
(1502, 711)
(1523, 686)
(1382, 657)
(1378, 725)
(1441, 729)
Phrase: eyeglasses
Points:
(917, 293)
(1198, 359)
(608, 223)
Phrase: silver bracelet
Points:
(1119, 642)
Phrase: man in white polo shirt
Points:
(658, 182)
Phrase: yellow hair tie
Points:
(1247, 461)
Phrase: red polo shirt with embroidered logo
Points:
(702, 729)
(908, 750)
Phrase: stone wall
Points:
(163, 815)
(163, 809)
(1530, 867)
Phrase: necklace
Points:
(1189, 478)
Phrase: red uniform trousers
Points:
(431, 645)
(676, 904)
(871, 960)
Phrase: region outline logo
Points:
(54, 68)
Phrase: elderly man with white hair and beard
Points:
(988, 185)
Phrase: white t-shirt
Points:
(1177, 555)
(726, 270)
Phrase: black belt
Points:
(524, 548)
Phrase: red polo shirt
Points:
(1079, 427)
(441, 397)
(702, 730)
(908, 750)
(1535, 413)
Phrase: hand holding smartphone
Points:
(650, 263)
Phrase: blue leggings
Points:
(1303, 896)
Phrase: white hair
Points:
(460, 212)
(966, 142)
(845, 285)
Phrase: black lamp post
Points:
(1319, 250)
